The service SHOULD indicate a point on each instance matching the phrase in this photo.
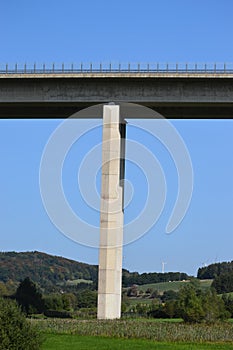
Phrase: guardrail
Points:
(179, 68)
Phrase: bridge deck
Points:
(175, 94)
(116, 74)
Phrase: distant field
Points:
(175, 285)
(78, 281)
(76, 342)
(135, 301)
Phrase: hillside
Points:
(44, 269)
(52, 272)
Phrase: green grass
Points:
(163, 286)
(175, 285)
(155, 320)
(206, 283)
(78, 281)
(76, 342)
(135, 301)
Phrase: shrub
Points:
(16, 333)
(57, 314)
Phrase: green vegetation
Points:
(164, 286)
(16, 333)
(224, 282)
(130, 278)
(222, 275)
(76, 342)
(228, 301)
(213, 270)
(175, 285)
(77, 297)
(83, 303)
(29, 297)
(191, 304)
(176, 312)
(78, 281)
(51, 273)
(197, 306)
(141, 329)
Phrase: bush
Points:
(16, 333)
(57, 314)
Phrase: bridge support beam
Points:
(111, 216)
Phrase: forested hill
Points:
(49, 271)
(214, 270)
(43, 269)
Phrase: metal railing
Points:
(173, 68)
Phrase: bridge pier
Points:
(111, 214)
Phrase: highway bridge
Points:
(59, 93)
(181, 92)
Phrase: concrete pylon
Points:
(111, 216)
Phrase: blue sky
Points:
(123, 31)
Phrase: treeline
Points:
(32, 301)
(130, 278)
(53, 273)
(222, 275)
(213, 270)
(189, 303)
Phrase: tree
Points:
(228, 301)
(86, 299)
(69, 301)
(16, 333)
(214, 270)
(213, 306)
(169, 295)
(53, 302)
(29, 297)
(190, 306)
(223, 283)
(198, 306)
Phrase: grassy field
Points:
(140, 329)
(175, 285)
(78, 281)
(135, 301)
(76, 342)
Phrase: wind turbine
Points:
(163, 265)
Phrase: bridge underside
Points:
(190, 97)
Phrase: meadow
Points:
(174, 285)
(139, 329)
(76, 342)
